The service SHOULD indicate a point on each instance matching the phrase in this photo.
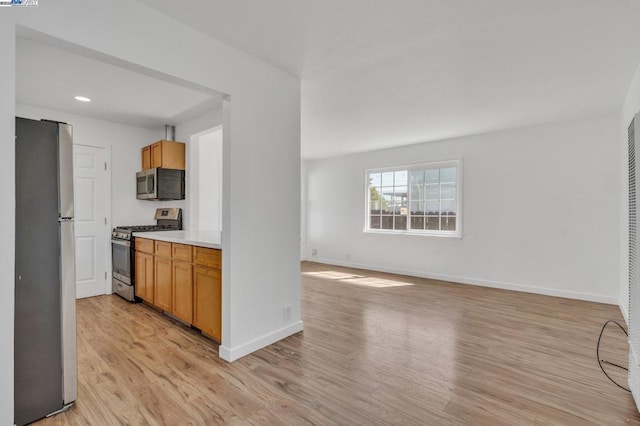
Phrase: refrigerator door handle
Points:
(65, 170)
(68, 301)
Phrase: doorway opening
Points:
(205, 155)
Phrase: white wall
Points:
(189, 133)
(540, 211)
(209, 180)
(261, 269)
(630, 107)
(125, 143)
(204, 122)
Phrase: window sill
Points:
(455, 234)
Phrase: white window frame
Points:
(419, 166)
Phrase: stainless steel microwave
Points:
(160, 184)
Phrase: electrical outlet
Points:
(314, 252)
(286, 313)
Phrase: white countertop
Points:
(194, 237)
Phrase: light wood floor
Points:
(376, 349)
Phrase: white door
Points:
(90, 195)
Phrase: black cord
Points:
(604, 361)
(598, 353)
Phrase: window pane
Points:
(448, 174)
(433, 207)
(401, 192)
(401, 178)
(432, 176)
(403, 206)
(387, 199)
(374, 207)
(374, 222)
(433, 192)
(417, 177)
(375, 179)
(433, 223)
(448, 191)
(387, 222)
(400, 222)
(417, 222)
(417, 207)
(417, 192)
(375, 195)
(387, 179)
(448, 207)
(448, 223)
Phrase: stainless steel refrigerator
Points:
(45, 365)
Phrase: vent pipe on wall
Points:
(169, 132)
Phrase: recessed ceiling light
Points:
(82, 99)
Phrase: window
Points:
(421, 199)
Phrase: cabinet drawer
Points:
(181, 252)
(207, 257)
(144, 245)
(163, 248)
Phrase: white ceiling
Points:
(49, 76)
(377, 73)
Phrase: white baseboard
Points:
(473, 281)
(232, 354)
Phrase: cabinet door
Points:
(173, 155)
(163, 277)
(149, 275)
(156, 155)
(146, 157)
(207, 306)
(141, 277)
(144, 276)
(182, 291)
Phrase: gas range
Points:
(166, 220)
(123, 249)
(124, 232)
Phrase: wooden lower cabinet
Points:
(182, 297)
(207, 295)
(163, 288)
(182, 280)
(144, 276)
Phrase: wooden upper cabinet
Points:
(167, 154)
(156, 155)
(146, 157)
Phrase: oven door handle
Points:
(121, 243)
